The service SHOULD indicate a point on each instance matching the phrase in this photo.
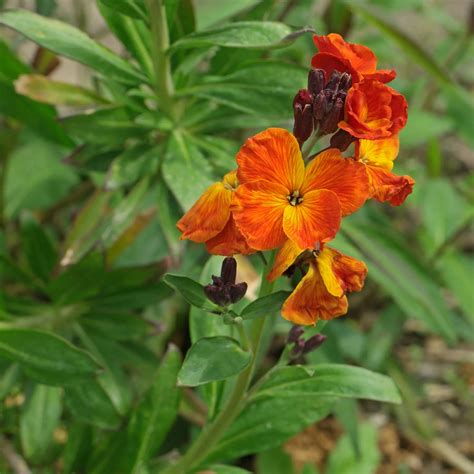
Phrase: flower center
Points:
(294, 198)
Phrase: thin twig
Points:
(15, 461)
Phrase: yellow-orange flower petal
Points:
(314, 220)
(209, 214)
(272, 155)
(311, 301)
(386, 186)
(258, 209)
(340, 272)
(379, 153)
(344, 176)
(284, 259)
(229, 241)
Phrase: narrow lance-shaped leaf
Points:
(38, 420)
(68, 41)
(243, 34)
(43, 89)
(46, 357)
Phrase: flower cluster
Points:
(276, 199)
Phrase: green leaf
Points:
(265, 306)
(333, 380)
(409, 47)
(51, 180)
(114, 123)
(112, 379)
(132, 8)
(190, 290)
(114, 324)
(40, 118)
(39, 418)
(212, 358)
(78, 447)
(10, 66)
(38, 248)
(401, 275)
(155, 415)
(186, 172)
(263, 88)
(43, 89)
(45, 357)
(132, 298)
(243, 34)
(276, 461)
(214, 11)
(222, 469)
(8, 380)
(70, 42)
(423, 127)
(343, 459)
(457, 270)
(267, 423)
(88, 402)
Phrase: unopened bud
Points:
(294, 334)
(237, 291)
(333, 83)
(329, 123)
(223, 290)
(316, 79)
(313, 343)
(298, 348)
(319, 106)
(345, 82)
(303, 115)
(229, 270)
(341, 139)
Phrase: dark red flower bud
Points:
(313, 343)
(320, 106)
(237, 291)
(316, 79)
(341, 139)
(345, 82)
(223, 290)
(229, 270)
(303, 114)
(328, 123)
(294, 334)
(333, 83)
(298, 348)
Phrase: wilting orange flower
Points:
(374, 110)
(278, 199)
(378, 156)
(321, 293)
(358, 60)
(210, 220)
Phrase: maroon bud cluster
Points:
(320, 107)
(300, 345)
(224, 290)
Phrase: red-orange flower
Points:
(358, 60)
(374, 110)
(321, 293)
(210, 220)
(278, 199)
(378, 156)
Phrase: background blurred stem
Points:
(160, 43)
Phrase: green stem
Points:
(211, 434)
(310, 145)
(161, 63)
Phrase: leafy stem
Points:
(211, 434)
(164, 86)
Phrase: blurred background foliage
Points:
(94, 175)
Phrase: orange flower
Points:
(358, 60)
(378, 156)
(279, 199)
(321, 293)
(374, 110)
(210, 220)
